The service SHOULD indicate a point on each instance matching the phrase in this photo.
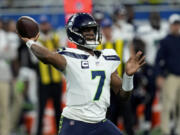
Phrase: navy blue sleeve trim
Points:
(74, 55)
(112, 57)
(61, 49)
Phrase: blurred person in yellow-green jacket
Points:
(49, 79)
(117, 107)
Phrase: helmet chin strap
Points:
(92, 47)
(91, 44)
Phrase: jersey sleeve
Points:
(72, 57)
(66, 53)
(111, 56)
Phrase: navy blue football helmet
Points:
(75, 26)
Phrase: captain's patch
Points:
(84, 64)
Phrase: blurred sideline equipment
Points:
(27, 27)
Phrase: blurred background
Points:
(32, 95)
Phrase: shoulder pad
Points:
(73, 53)
(110, 54)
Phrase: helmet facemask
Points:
(91, 43)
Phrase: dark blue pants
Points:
(73, 127)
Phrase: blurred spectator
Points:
(98, 16)
(49, 79)
(140, 81)
(25, 88)
(13, 38)
(5, 79)
(64, 39)
(117, 107)
(13, 41)
(122, 29)
(168, 74)
(151, 35)
(130, 15)
(22, 101)
(20, 86)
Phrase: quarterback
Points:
(89, 75)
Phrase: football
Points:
(27, 27)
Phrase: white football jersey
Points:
(152, 38)
(88, 83)
(126, 33)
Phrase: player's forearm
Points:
(48, 57)
(41, 53)
(124, 95)
(122, 88)
(127, 87)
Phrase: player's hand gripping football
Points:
(27, 39)
(134, 63)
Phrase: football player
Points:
(89, 74)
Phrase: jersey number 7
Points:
(102, 76)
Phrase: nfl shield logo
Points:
(97, 63)
(84, 64)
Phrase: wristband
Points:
(30, 43)
(127, 83)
